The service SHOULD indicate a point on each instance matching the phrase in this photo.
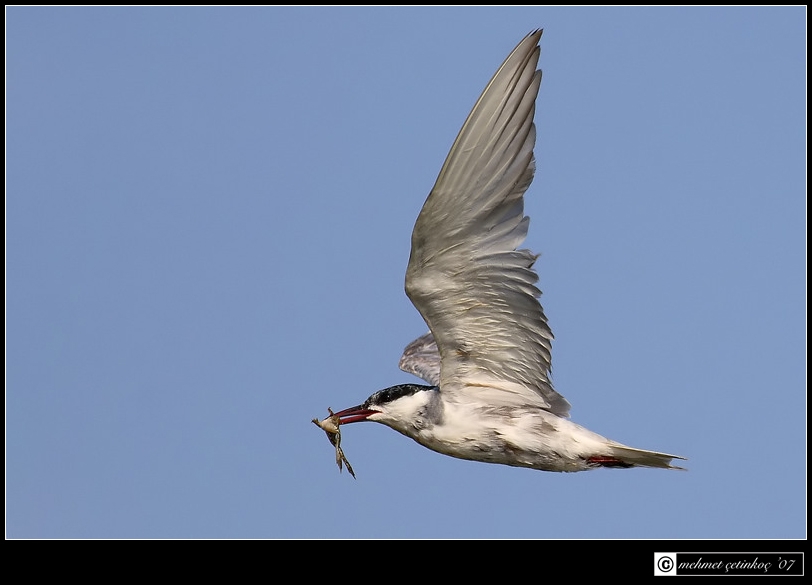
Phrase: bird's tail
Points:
(623, 456)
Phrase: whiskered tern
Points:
(487, 355)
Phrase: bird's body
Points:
(487, 356)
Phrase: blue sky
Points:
(208, 217)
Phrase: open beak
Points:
(354, 414)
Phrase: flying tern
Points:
(486, 357)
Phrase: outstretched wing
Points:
(474, 288)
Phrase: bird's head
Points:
(404, 408)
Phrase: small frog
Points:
(330, 426)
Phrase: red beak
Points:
(354, 414)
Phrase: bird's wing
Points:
(422, 358)
(475, 290)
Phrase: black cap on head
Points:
(394, 392)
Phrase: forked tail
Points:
(623, 456)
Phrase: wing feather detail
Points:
(422, 358)
(473, 286)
